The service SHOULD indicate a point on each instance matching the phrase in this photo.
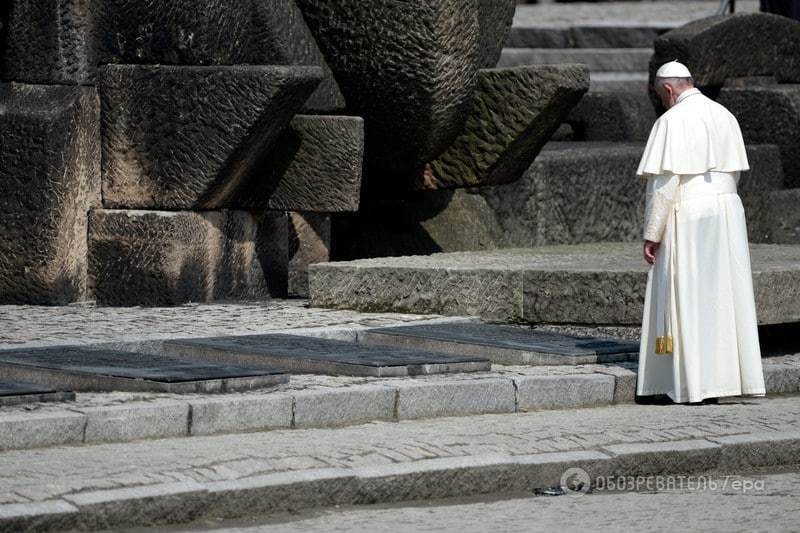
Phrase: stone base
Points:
(17, 392)
(784, 216)
(585, 284)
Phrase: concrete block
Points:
(648, 458)
(146, 505)
(339, 407)
(34, 430)
(612, 116)
(134, 421)
(48, 515)
(753, 450)
(514, 113)
(64, 41)
(624, 382)
(285, 491)
(454, 398)
(309, 243)
(314, 165)
(164, 147)
(49, 179)
(168, 258)
(409, 69)
(721, 47)
(781, 378)
(783, 217)
(240, 413)
(563, 391)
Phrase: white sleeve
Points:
(659, 199)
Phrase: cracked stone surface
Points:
(36, 475)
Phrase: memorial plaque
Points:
(299, 354)
(505, 344)
(96, 369)
(18, 392)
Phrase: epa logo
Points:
(575, 482)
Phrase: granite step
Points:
(784, 216)
(96, 369)
(597, 59)
(619, 81)
(506, 345)
(612, 34)
(20, 392)
(598, 283)
(315, 355)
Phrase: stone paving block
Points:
(769, 114)
(408, 68)
(173, 257)
(454, 398)
(49, 515)
(157, 419)
(19, 392)
(49, 179)
(514, 113)
(339, 407)
(64, 41)
(34, 430)
(647, 458)
(240, 413)
(543, 470)
(146, 505)
(563, 392)
(315, 165)
(624, 382)
(165, 147)
(309, 243)
(747, 451)
(721, 47)
(784, 217)
(285, 491)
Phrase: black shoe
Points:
(656, 399)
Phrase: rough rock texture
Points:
(309, 243)
(573, 193)
(49, 179)
(63, 41)
(733, 46)
(514, 113)
(188, 137)
(315, 165)
(620, 116)
(167, 258)
(494, 19)
(769, 114)
(599, 283)
(409, 68)
(784, 216)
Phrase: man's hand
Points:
(650, 249)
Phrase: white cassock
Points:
(699, 330)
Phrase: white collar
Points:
(686, 94)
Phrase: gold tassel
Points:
(660, 345)
(669, 344)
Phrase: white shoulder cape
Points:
(694, 136)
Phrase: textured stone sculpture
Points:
(408, 68)
(187, 137)
(315, 165)
(514, 113)
(63, 41)
(769, 114)
(168, 258)
(49, 179)
(733, 46)
(309, 243)
(494, 19)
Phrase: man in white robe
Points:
(699, 330)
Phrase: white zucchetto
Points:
(673, 69)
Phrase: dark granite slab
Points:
(18, 392)
(300, 354)
(504, 344)
(96, 369)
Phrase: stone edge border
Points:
(332, 407)
(183, 502)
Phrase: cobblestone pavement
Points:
(36, 475)
(89, 324)
(760, 502)
(567, 14)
